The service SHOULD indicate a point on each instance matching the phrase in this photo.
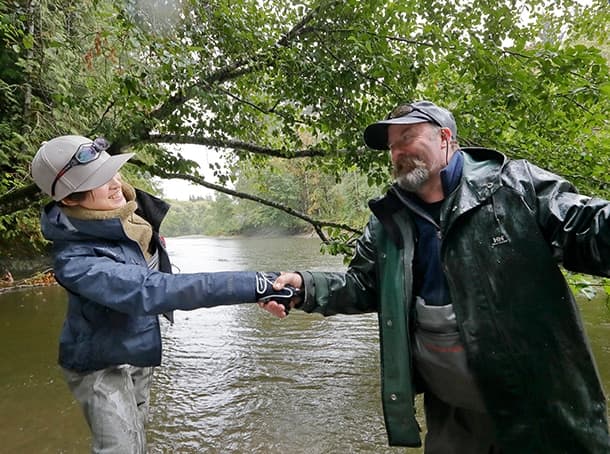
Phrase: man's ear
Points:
(446, 134)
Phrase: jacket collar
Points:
(482, 172)
(452, 174)
(479, 179)
(151, 208)
(450, 179)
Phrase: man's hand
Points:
(284, 281)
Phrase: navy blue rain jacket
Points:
(114, 298)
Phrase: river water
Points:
(233, 379)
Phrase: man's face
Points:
(416, 154)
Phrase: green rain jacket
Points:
(504, 231)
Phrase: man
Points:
(460, 260)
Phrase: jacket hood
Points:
(56, 226)
(482, 170)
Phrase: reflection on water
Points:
(238, 380)
(233, 380)
(37, 414)
(244, 382)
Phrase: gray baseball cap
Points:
(376, 134)
(74, 164)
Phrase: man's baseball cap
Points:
(376, 134)
(68, 164)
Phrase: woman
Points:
(109, 257)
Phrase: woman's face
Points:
(107, 197)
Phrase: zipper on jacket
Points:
(419, 211)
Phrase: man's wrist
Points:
(308, 289)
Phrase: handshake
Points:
(288, 296)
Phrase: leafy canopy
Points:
(300, 80)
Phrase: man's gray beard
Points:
(413, 180)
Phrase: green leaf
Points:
(605, 89)
(28, 42)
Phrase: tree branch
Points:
(317, 225)
(24, 198)
(301, 28)
(236, 145)
(260, 109)
(356, 70)
(239, 67)
(19, 199)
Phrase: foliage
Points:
(208, 216)
(299, 81)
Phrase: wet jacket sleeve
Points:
(577, 227)
(352, 292)
(103, 278)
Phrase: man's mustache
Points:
(407, 164)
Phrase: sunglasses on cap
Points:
(86, 153)
(406, 109)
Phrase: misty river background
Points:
(233, 379)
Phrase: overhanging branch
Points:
(19, 199)
(235, 145)
(239, 67)
(317, 225)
